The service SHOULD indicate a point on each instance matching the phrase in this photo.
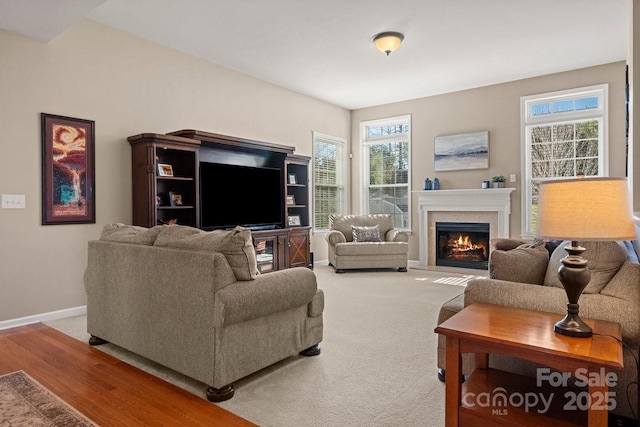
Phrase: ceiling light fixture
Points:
(388, 41)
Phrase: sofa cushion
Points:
(235, 244)
(527, 263)
(343, 223)
(130, 234)
(365, 234)
(372, 249)
(605, 259)
(625, 285)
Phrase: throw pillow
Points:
(365, 234)
(604, 258)
(235, 245)
(526, 263)
(343, 223)
(130, 234)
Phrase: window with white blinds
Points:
(329, 165)
(386, 154)
(563, 136)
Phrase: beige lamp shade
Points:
(585, 209)
(388, 41)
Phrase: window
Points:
(563, 135)
(386, 156)
(329, 165)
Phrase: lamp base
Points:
(572, 325)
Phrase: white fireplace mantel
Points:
(496, 200)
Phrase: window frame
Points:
(366, 142)
(527, 120)
(343, 205)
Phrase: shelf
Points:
(149, 150)
(175, 207)
(488, 381)
(174, 178)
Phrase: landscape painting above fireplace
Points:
(461, 152)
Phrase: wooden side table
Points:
(490, 397)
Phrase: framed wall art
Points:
(68, 170)
(175, 198)
(293, 220)
(165, 169)
(461, 152)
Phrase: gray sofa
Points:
(366, 241)
(194, 302)
(524, 275)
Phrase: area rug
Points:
(26, 402)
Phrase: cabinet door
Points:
(299, 247)
(266, 253)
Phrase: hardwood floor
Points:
(103, 388)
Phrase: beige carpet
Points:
(378, 361)
(26, 402)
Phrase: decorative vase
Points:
(497, 184)
(427, 184)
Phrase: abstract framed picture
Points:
(462, 151)
(68, 170)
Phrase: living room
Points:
(129, 85)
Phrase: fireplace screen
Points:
(462, 244)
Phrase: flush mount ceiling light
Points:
(388, 41)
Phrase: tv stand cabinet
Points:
(283, 247)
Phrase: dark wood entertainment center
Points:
(166, 188)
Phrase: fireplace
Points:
(462, 244)
(489, 205)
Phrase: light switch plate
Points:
(512, 177)
(13, 201)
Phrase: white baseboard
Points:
(413, 263)
(43, 317)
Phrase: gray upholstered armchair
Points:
(366, 241)
(524, 275)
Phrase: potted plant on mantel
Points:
(498, 181)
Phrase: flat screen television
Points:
(234, 195)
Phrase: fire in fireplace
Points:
(462, 244)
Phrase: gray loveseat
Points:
(194, 302)
(524, 275)
(366, 241)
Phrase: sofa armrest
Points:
(333, 237)
(269, 293)
(396, 235)
(554, 300)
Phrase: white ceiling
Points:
(324, 48)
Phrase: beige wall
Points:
(495, 109)
(128, 86)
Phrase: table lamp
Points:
(582, 209)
